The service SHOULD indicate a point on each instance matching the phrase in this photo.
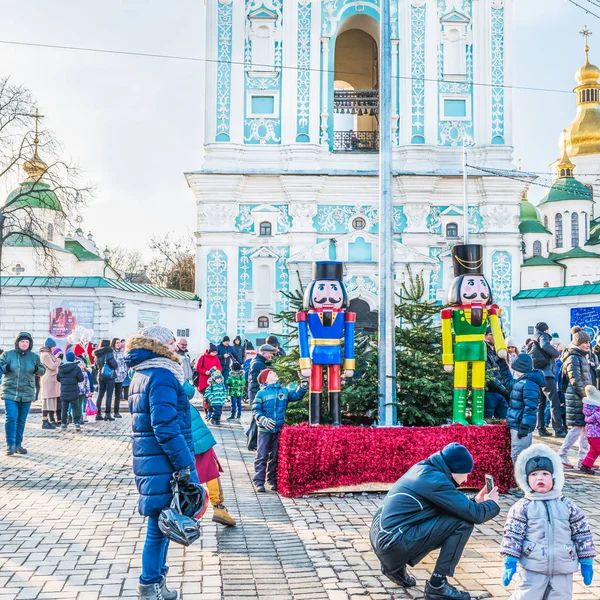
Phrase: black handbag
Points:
(252, 435)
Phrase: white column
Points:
(289, 75)
(324, 124)
(482, 94)
(237, 72)
(432, 38)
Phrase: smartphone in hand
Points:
(489, 483)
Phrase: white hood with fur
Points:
(558, 475)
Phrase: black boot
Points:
(314, 410)
(334, 408)
(444, 592)
(401, 578)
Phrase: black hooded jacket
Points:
(70, 376)
(103, 355)
(424, 492)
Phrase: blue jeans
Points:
(236, 407)
(154, 554)
(265, 464)
(217, 411)
(495, 406)
(16, 415)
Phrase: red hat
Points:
(262, 378)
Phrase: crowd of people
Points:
(541, 386)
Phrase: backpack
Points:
(540, 359)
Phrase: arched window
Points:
(265, 228)
(558, 237)
(50, 232)
(537, 248)
(585, 227)
(452, 230)
(546, 221)
(575, 230)
(263, 322)
(359, 223)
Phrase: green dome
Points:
(529, 211)
(567, 188)
(34, 194)
(531, 226)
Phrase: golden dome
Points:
(588, 73)
(583, 135)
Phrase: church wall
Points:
(28, 309)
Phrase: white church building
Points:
(290, 138)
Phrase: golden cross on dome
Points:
(585, 32)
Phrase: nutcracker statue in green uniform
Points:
(471, 311)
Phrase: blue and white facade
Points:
(288, 173)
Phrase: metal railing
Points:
(356, 102)
(356, 141)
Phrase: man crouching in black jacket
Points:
(425, 511)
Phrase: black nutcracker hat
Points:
(467, 259)
(328, 269)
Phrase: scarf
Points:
(161, 362)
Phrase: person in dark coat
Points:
(104, 356)
(525, 393)
(224, 354)
(237, 350)
(272, 340)
(425, 511)
(162, 442)
(260, 362)
(496, 394)
(577, 373)
(70, 376)
(544, 356)
(18, 368)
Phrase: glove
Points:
(587, 570)
(510, 568)
(267, 423)
(183, 477)
(522, 433)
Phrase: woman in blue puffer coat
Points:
(162, 443)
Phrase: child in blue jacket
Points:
(216, 395)
(269, 408)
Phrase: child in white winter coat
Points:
(546, 535)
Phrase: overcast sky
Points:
(132, 123)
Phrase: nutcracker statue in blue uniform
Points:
(328, 323)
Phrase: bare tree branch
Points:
(52, 183)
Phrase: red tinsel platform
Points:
(317, 458)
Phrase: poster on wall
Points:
(147, 318)
(589, 320)
(67, 315)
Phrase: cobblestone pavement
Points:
(69, 529)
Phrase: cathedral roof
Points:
(34, 194)
(530, 221)
(574, 253)
(541, 261)
(583, 135)
(567, 188)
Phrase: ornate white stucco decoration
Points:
(302, 215)
(416, 214)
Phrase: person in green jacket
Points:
(19, 368)
(208, 467)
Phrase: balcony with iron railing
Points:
(364, 105)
